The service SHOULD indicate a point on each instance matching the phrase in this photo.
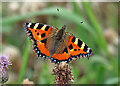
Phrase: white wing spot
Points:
(88, 50)
(29, 24)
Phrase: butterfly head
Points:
(60, 32)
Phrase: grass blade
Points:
(24, 62)
(95, 25)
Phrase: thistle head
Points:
(4, 62)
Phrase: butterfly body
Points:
(56, 44)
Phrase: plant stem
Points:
(24, 62)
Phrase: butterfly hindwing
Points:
(77, 48)
(40, 49)
(37, 31)
(64, 56)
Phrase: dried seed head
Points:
(62, 74)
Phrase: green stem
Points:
(24, 62)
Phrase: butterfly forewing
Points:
(77, 48)
(37, 31)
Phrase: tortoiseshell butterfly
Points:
(56, 44)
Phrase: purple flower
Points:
(4, 62)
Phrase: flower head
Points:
(4, 62)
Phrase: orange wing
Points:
(40, 49)
(36, 31)
(77, 48)
(63, 57)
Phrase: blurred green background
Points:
(99, 31)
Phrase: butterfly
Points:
(56, 44)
